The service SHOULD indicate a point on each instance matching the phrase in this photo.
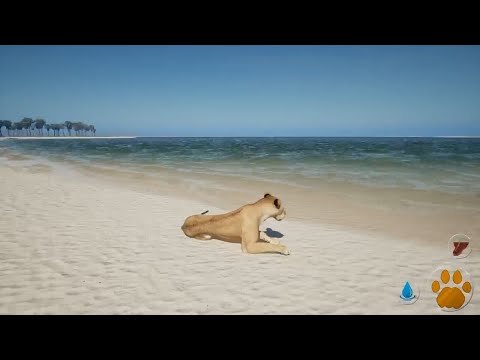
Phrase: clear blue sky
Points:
(246, 90)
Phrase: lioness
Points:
(240, 226)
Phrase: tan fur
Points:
(240, 226)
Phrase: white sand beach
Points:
(77, 244)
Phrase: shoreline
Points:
(239, 137)
(432, 216)
(64, 137)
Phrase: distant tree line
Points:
(27, 127)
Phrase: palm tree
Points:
(82, 128)
(27, 124)
(25, 127)
(77, 126)
(68, 124)
(56, 129)
(8, 126)
(39, 124)
(18, 126)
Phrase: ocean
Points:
(450, 165)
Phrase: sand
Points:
(77, 244)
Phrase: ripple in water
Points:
(451, 165)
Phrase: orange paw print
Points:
(451, 297)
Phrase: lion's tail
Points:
(203, 213)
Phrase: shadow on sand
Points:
(273, 233)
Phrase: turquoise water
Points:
(445, 164)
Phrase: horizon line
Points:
(241, 136)
(307, 136)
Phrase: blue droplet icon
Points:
(407, 292)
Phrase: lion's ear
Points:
(277, 203)
(266, 195)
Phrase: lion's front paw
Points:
(285, 250)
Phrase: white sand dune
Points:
(71, 244)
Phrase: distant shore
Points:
(64, 137)
(133, 137)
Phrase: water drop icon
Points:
(407, 292)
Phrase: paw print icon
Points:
(452, 287)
